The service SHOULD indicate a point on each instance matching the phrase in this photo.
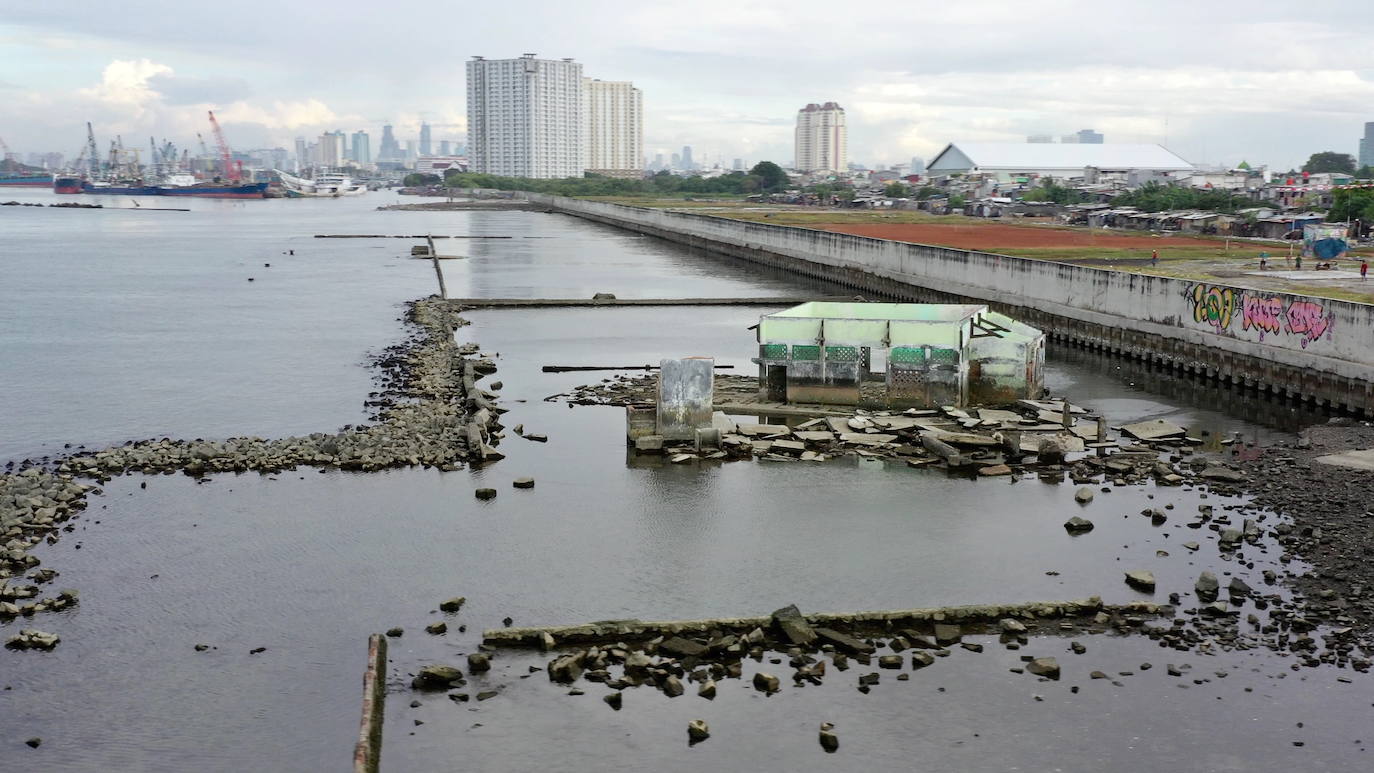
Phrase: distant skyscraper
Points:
(822, 138)
(445, 148)
(389, 150)
(687, 163)
(426, 146)
(738, 166)
(1366, 157)
(302, 154)
(676, 161)
(412, 152)
(525, 117)
(918, 165)
(1040, 139)
(613, 127)
(362, 147)
(330, 149)
(1084, 137)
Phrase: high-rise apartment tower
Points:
(525, 117)
(822, 139)
(613, 127)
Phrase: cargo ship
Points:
(25, 179)
(209, 190)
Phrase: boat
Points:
(322, 185)
(25, 179)
(187, 185)
(172, 186)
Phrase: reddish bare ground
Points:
(993, 236)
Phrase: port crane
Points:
(231, 172)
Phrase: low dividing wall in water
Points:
(1305, 347)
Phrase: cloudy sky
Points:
(1216, 81)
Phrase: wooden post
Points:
(1068, 417)
(438, 272)
(367, 754)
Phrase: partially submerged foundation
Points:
(898, 355)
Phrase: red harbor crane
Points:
(232, 172)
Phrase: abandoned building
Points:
(898, 355)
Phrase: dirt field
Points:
(997, 236)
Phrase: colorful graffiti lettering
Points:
(1267, 315)
(1262, 314)
(1213, 305)
(1309, 320)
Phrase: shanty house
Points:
(899, 355)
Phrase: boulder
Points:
(921, 659)
(437, 628)
(793, 627)
(697, 731)
(1009, 625)
(708, 689)
(672, 687)
(765, 682)
(437, 677)
(947, 634)
(614, 700)
(1083, 495)
(1050, 451)
(1238, 589)
(523, 483)
(566, 668)
(1076, 525)
(1046, 667)
(485, 493)
(1207, 586)
(842, 641)
(478, 662)
(829, 741)
(454, 604)
(890, 661)
(1141, 579)
(683, 648)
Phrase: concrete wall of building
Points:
(1300, 346)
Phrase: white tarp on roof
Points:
(1030, 156)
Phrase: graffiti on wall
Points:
(1265, 315)
(1213, 305)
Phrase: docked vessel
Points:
(322, 185)
(25, 179)
(210, 190)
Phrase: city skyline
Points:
(1291, 84)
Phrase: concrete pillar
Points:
(685, 392)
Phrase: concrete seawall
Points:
(1301, 347)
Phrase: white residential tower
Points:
(822, 139)
(524, 117)
(613, 128)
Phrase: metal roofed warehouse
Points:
(1006, 159)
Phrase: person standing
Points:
(1154, 257)
(1364, 270)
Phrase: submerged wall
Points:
(1299, 346)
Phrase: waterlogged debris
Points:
(1158, 429)
(829, 741)
(33, 639)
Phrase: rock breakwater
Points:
(428, 412)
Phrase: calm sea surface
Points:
(117, 325)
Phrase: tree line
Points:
(764, 177)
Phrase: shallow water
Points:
(308, 564)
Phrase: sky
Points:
(1216, 81)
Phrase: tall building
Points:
(445, 148)
(329, 151)
(822, 138)
(426, 146)
(738, 166)
(687, 163)
(525, 117)
(362, 147)
(1083, 137)
(302, 154)
(1366, 157)
(918, 165)
(389, 150)
(412, 153)
(613, 128)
